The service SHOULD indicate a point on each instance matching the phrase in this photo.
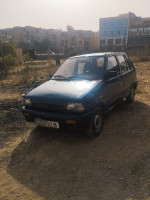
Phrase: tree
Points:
(23, 45)
(42, 46)
(69, 28)
(7, 57)
(7, 49)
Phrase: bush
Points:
(7, 57)
(5, 63)
(7, 48)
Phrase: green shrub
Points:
(5, 63)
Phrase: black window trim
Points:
(127, 63)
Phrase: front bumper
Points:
(81, 119)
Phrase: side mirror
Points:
(51, 75)
(111, 74)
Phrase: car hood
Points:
(57, 91)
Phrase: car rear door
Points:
(113, 84)
(126, 74)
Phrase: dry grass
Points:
(41, 164)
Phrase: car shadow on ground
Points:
(66, 164)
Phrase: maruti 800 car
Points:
(81, 91)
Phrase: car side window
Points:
(127, 63)
(131, 64)
(123, 64)
(112, 67)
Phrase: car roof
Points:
(100, 54)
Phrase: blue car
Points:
(81, 91)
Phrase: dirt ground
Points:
(39, 163)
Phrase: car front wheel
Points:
(130, 97)
(96, 122)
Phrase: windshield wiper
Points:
(78, 77)
(60, 76)
(72, 77)
(64, 77)
(69, 77)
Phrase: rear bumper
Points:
(81, 119)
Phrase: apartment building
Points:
(6, 35)
(78, 41)
(124, 31)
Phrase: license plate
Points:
(45, 123)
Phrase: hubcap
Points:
(97, 122)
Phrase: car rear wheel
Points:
(95, 124)
(130, 97)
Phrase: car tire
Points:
(130, 97)
(96, 123)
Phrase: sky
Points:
(57, 14)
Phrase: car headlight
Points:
(27, 101)
(75, 107)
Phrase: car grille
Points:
(47, 107)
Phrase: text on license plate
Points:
(46, 123)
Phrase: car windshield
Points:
(81, 68)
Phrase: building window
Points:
(72, 39)
(102, 42)
(110, 41)
(87, 35)
(54, 36)
(105, 32)
(112, 24)
(86, 43)
(117, 41)
(65, 35)
(140, 29)
(105, 24)
(118, 32)
(119, 23)
(54, 44)
(145, 29)
(80, 34)
(111, 32)
(133, 29)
